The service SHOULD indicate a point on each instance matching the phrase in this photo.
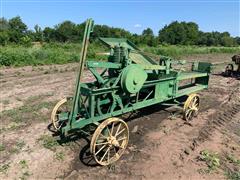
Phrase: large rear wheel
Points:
(109, 141)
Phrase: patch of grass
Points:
(211, 158)
(17, 147)
(176, 51)
(233, 175)
(233, 159)
(5, 102)
(23, 164)
(25, 175)
(48, 142)
(4, 168)
(59, 156)
(2, 147)
(28, 112)
(62, 53)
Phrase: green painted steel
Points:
(133, 78)
(128, 81)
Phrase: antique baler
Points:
(128, 81)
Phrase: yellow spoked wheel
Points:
(60, 107)
(191, 107)
(109, 141)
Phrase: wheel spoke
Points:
(103, 136)
(108, 131)
(107, 148)
(108, 155)
(190, 114)
(98, 144)
(100, 149)
(120, 132)
(105, 154)
(119, 126)
(112, 128)
(123, 138)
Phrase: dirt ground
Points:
(162, 145)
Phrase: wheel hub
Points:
(112, 141)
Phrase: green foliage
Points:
(59, 156)
(179, 51)
(183, 33)
(2, 147)
(233, 159)
(4, 168)
(179, 33)
(233, 175)
(48, 142)
(62, 53)
(23, 164)
(212, 159)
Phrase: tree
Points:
(147, 32)
(179, 33)
(49, 34)
(17, 29)
(65, 31)
(38, 34)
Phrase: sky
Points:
(132, 15)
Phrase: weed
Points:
(211, 159)
(4, 168)
(233, 175)
(59, 156)
(5, 102)
(25, 175)
(23, 164)
(30, 111)
(233, 159)
(20, 144)
(2, 147)
(48, 142)
(17, 147)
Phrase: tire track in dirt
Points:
(223, 116)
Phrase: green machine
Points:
(128, 81)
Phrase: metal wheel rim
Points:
(59, 107)
(108, 149)
(191, 107)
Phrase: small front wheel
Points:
(191, 107)
(61, 107)
(109, 141)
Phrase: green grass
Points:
(179, 51)
(2, 147)
(4, 168)
(29, 112)
(59, 156)
(23, 164)
(52, 53)
(62, 53)
(48, 142)
(212, 159)
(233, 175)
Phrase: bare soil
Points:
(162, 145)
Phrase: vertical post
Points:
(85, 42)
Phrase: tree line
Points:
(15, 31)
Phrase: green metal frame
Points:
(104, 98)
